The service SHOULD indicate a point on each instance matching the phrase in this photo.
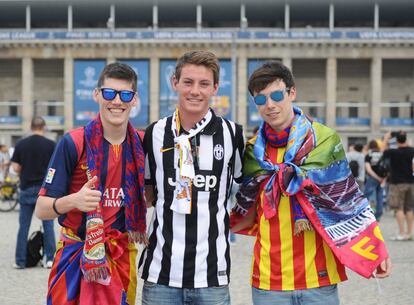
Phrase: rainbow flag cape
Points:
(316, 173)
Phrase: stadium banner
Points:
(397, 122)
(168, 97)
(253, 116)
(221, 103)
(139, 115)
(353, 121)
(207, 35)
(86, 74)
(9, 119)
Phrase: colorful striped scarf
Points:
(274, 138)
(296, 140)
(93, 260)
(316, 175)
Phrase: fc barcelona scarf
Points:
(93, 261)
(316, 177)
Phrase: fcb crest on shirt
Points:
(50, 175)
(218, 152)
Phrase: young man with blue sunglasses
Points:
(95, 186)
(302, 203)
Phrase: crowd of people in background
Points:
(384, 170)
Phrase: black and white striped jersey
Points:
(191, 251)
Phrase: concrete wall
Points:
(310, 78)
(48, 85)
(398, 85)
(353, 85)
(10, 84)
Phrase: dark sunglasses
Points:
(125, 95)
(276, 96)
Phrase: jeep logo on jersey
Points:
(207, 182)
(218, 152)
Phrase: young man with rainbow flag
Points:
(95, 186)
(301, 202)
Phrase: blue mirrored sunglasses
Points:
(276, 96)
(125, 95)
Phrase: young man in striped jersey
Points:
(192, 157)
(95, 186)
(311, 219)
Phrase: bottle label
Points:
(94, 242)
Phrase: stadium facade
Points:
(353, 60)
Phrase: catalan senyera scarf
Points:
(315, 175)
(93, 260)
(184, 163)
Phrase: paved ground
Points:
(28, 286)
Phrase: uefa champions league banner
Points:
(302, 34)
(168, 97)
(221, 103)
(86, 74)
(139, 114)
(253, 116)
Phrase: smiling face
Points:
(195, 87)
(278, 115)
(114, 113)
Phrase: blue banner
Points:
(5, 119)
(253, 116)
(168, 97)
(397, 122)
(86, 74)
(139, 115)
(221, 103)
(208, 35)
(353, 121)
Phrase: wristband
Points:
(54, 207)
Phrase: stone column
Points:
(331, 17)
(68, 93)
(27, 93)
(110, 24)
(287, 17)
(243, 18)
(287, 61)
(70, 18)
(242, 92)
(154, 94)
(155, 17)
(376, 17)
(376, 93)
(199, 16)
(331, 80)
(28, 18)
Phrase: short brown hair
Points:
(121, 71)
(269, 72)
(199, 58)
(38, 123)
(373, 144)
